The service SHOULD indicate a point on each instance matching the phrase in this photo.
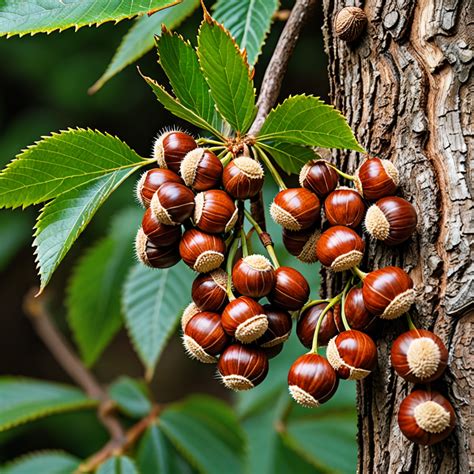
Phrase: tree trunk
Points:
(405, 87)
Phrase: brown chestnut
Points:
(279, 327)
(344, 206)
(150, 181)
(340, 248)
(253, 276)
(215, 211)
(302, 243)
(154, 256)
(242, 367)
(419, 356)
(376, 179)
(291, 290)
(171, 147)
(426, 417)
(209, 290)
(173, 203)
(243, 177)
(201, 169)
(312, 380)
(388, 292)
(307, 324)
(273, 351)
(202, 252)
(357, 315)
(319, 177)
(188, 313)
(296, 209)
(159, 234)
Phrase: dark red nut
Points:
(209, 291)
(357, 315)
(273, 351)
(279, 327)
(353, 354)
(201, 169)
(296, 209)
(150, 181)
(242, 367)
(302, 243)
(340, 248)
(244, 319)
(204, 338)
(318, 177)
(388, 292)
(391, 220)
(243, 177)
(419, 356)
(291, 290)
(215, 212)
(188, 313)
(171, 147)
(173, 203)
(202, 252)
(376, 179)
(307, 324)
(253, 276)
(159, 234)
(312, 380)
(344, 206)
(153, 256)
(426, 417)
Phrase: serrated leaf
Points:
(61, 162)
(50, 462)
(227, 72)
(290, 157)
(207, 433)
(20, 17)
(93, 300)
(307, 120)
(118, 465)
(14, 233)
(131, 396)
(23, 400)
(62, 220)
(152, 303)
(248, 22)
(139, 38)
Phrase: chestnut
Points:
(243, 177)
(296, 209)
(353, 354)
(242, 367)
(204, 337)
(302, 243)
(357, 315)
(312, 380)
(307, 324)
(388, 292)
(150, 181)
(201, 169)
(209, 290)
(426, 417)
(376, 179)
(291, 290)
(188, 313)
(244, 319)
(159, 234)
(153, 256)
(171, 147)
(253, 276)
(202, 252)
(419, 356)
(279, 327)
(273, 351)
(391, 219)
(319, 177)
(344, 206)
(173, 203)
(215, 211)
(340, 248)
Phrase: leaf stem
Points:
(332, 302)
(243, 239)
(273, 171)
(343, 303)
(411, 324)
(226, 160)
(357, 271)
(341, 173)
(230, 262)
(208, 141)
(311, 303)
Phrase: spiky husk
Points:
(347, 261)
(283, 217)
(237, 382)
(399, 305)
(423, 357)
(208, 261)
(195, 351)
(160, 212)
(376, 223)
(302, 397)
(432, 417)
(333, 357)
(252, 328)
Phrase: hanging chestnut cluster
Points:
(226, 324)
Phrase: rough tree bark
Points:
(406, 88)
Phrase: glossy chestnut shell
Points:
(302, 243)
(159, 234)
(279, 327)
(253, 276)
(291, 290)
(201, 169)
(307, 324)
(171, 148)
(318, 177)
(173, 203)
(209, 291)
(357, 315)
(153, 256)
(376, 179)
(344, 206)
(215, 211)
(202, 252)
(151, 180)
(243, 177)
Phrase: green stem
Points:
(273, 171)
(332, 302)
(243, 238)
(341, 173)
(230, 261)
(343, 303)
(215, 148)
(208, 141)
(357, 271)
(311, 303)
(226, 160)
(411, 324)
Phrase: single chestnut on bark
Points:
(312, 380)
(253, 276)
(202, 252)
(173, 203)
(215, 211)
(279, 327)
(391, 220)
(319, 177)
(426, 417)
(243, 177)
(150, 181)
(201, 169)
(242, 367)
(291, 290)
(204, 338)
(357, 315)
(209, 290)
(153, 256)
(419, 356)
(188, 313)
(307, 324)
(302, 243)
(340, 248)
(159, 234)
(388, 292)
(171, 147)
(344, 206)
(376, 179)
(296, 209)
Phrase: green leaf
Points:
(61, 162)
(152, 303)
(180, 63)
(118, 465)
(20, 17)
(227, 72)
(206, 431)
(308, 121)
(14, 233)
(139, 38)
(93, 300)
(50, 462)
(290, 157)
(248, 22)
(131, 396)
(23, 400)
